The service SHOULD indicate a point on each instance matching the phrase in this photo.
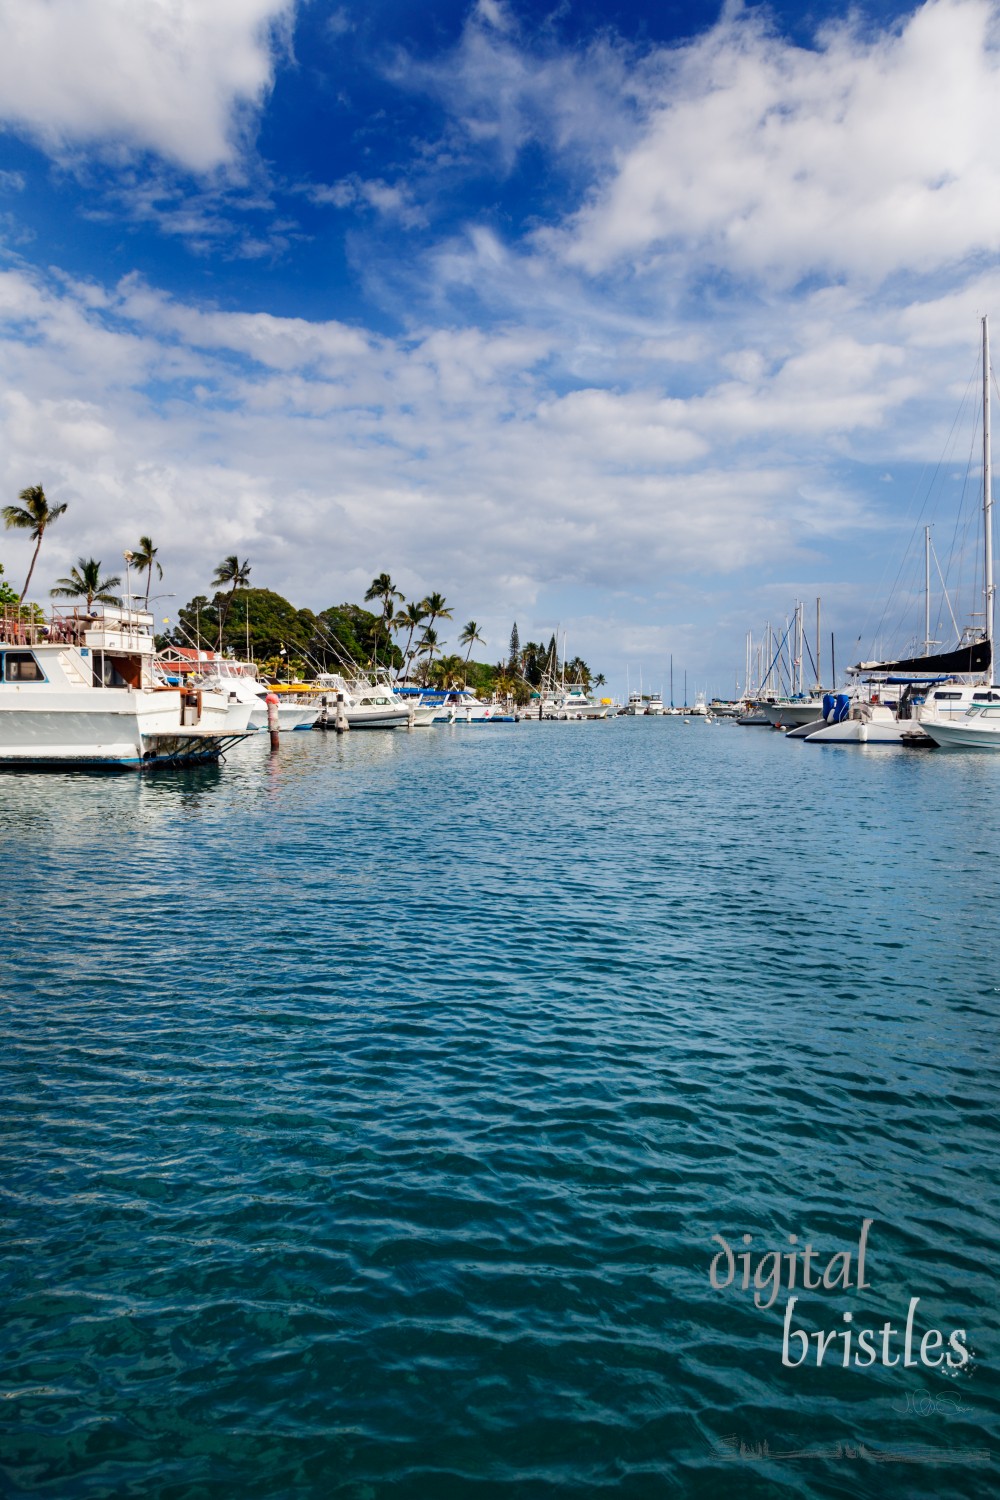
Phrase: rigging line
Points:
(944, 591)
(776, 655)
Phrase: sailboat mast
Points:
(987, 497)
(819, 675)
(927, 591)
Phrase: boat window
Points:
(947, 695)
(21, 666)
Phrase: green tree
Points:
(409, 619)
(347, 630)
(447, 672)
(36, 515)
(384, 589)
(468, 636)
(514, 655)
(197, 623)
(9, 598)
(237, 575)
(85, 582)
(144, 559)
(426, 646)
(437, 609)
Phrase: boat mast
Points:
(987, 497)
(927, 591)
(819, 675)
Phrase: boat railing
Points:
(21, 626)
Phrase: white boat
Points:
(459, 706)
(700, 708)
(82, 691)
(367, 703)
(240, 679)
(635, 706)
(792, 713)
(654, 705)
(977, 729)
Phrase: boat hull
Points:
(901, 732)
(959, 736)
(112, 727)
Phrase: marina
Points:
(499, 751)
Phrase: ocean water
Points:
(372, 1114)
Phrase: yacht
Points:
(81, 691)
(654, 704)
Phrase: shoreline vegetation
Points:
(405, 638)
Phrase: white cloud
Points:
(860, 158)
(175, 77)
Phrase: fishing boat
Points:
(366, 702)
(81, 691)
(239, 679)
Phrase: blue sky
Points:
(636, 322)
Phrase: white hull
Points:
(887, 731)
(793, 714)
(290, 716)
(975, 733)
(111, 726)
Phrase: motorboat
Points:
(81, 691)
(366, 703)
(977, 729)
(458, 706)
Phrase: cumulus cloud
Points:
(174, 77)
(861, 157)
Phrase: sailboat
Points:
(917, 700)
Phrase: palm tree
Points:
(85, 582)
(383, 588)
(427, 646)
(412, 616)
(468, 637)
(144, 558)
(437, 608)
(34, 516)
(237, 575)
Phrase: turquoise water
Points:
(370, 1109)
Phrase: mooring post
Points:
(271, 699)
(340, 721)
